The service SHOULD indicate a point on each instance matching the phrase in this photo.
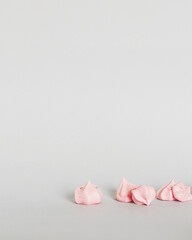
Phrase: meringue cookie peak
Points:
(123, 192)
(143, 195)
(166, 193)
(181, 192)
(88, 194)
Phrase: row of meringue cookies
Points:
(90, 194)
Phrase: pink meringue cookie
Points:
(166, 193)
(88, 194)
(143, 195)
(181, 192)
(123, 192)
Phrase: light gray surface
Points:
(93, 90)
(62, 219)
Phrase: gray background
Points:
(93, 90)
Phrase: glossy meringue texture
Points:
(173, 191)
(128, 192)
(166, 193)
(123, 192)
(181, 192)
(88, 194)
(143, 195)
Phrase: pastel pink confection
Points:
(123, 192)
(88, 194)
(166, 193)
(181, 192)
(143, 195)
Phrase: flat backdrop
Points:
(93, 90)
